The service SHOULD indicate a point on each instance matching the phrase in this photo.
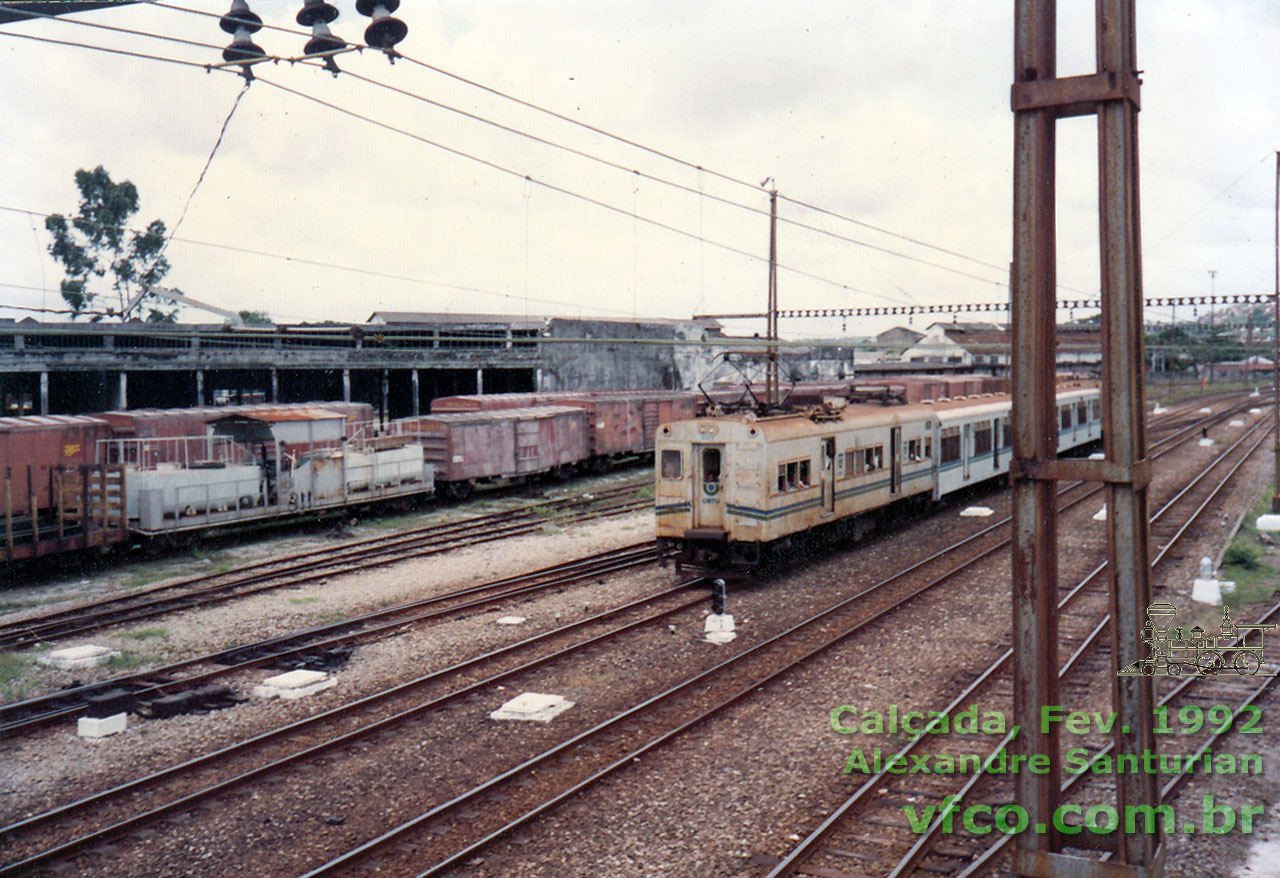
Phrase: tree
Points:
(256, 318)
(98, 243)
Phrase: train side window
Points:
(928, 447)
(711, 464)
(1095, 410)
(804, 473)
(671, 464)
(853, 462)
(1065, 412)
(913, 450)
(873, 457)
(1082, 412)
(1006, 433)
(981, 438)
(782, 477)
(949, 445)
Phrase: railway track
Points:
(79, 825)
(144, 689)
(452, 831)
(872, 833)
(608, 746)
(314, 566)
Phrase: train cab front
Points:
(690, 498)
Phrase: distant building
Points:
(988, 346)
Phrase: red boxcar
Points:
(619, 422)
(52, 495)
(470, 447)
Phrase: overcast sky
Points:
(893, 114)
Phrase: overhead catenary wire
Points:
(581, 153)
(568, 192)
(81, 22)
(370, 272)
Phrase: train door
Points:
(829, 474)
(708, 507)
(895, 460)
(995, 443)
(966, 443)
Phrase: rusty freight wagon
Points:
(619, 422)
(55, 497)
(485, 447)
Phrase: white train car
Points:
(728, 486)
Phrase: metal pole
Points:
(1124, 423)
(771, 374)
(1039, 98)
(1275, 339)
(1035, 434)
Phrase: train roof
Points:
(859, 415)
(24, 423)
(539, 411)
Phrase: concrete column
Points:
(413, 377)
(386, 393)
(199, 387)
(122, 392)
(346, 385)
(275, 386)
(44, 393)
(479, 380)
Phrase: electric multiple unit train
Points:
(728, 487)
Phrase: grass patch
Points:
(144, 633)
(646, 492)
(307, 600)
(12, 669)
(1247, 563)
(139, 576)
(126, 661)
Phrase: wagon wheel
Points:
(1247, 663)
(1174, 669)
(1210, 662)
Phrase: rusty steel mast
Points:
(1039, 99)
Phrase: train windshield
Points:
(711, 464)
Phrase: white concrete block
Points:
(719, 628)
(78, 657)
(1206, 411)
(1101, 514)
(1268, 522)
(1097, 455)
(1211, 591)
(1206, 442)
(1159, 410)
(1235, 423)
(511, 620)
(92, 727)
(976, 512)
(1255, 411)
(532, 707)
(294, 684)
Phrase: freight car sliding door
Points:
(708, 508)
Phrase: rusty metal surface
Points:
(1033, 284)
(1039, 99)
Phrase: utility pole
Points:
(1208, 348)
(1275, 340)
(1039, 98)
(772, 395)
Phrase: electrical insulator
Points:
(241, 24)
(385, 31)
(316, 14)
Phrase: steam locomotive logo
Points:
(1175, 651)
(711, 488)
